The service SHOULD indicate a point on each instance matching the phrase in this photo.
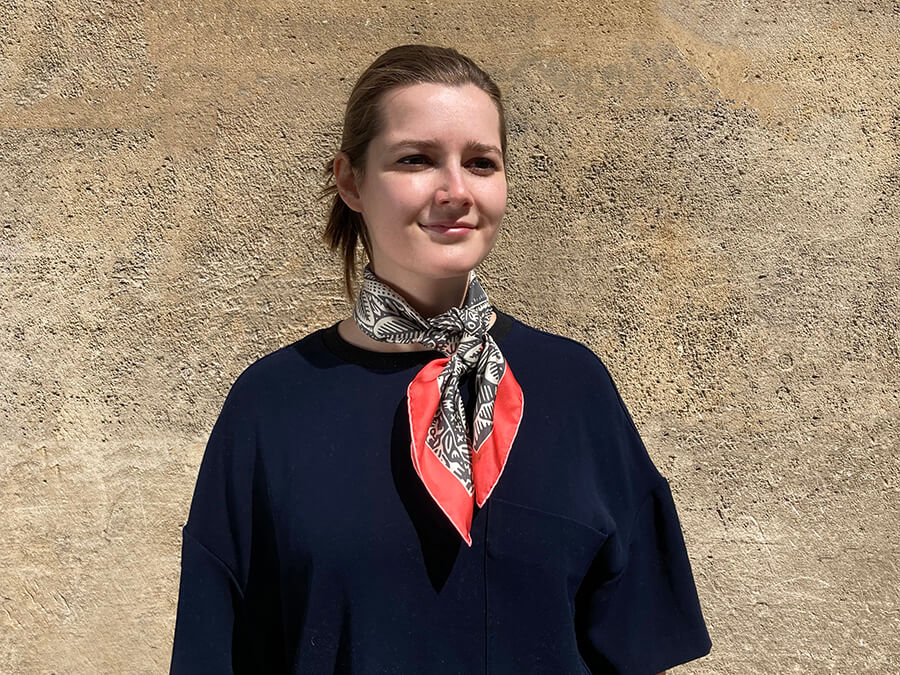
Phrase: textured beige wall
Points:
(707, 194)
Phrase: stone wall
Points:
(706, 194)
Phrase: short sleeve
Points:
(220, 594)
(646, 617)
(208, 598)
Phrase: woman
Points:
(430, 485)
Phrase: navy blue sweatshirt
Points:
(313, 547)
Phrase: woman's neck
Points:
(429, 297)
(351, 333)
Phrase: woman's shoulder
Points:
(279, 366)
(563, 366)
(561, 371)
(549, 350)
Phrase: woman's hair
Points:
(400, 66)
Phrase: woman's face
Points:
(436, 161)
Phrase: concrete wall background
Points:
(719, 182)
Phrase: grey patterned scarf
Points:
(461, 334)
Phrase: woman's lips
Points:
(448, 230)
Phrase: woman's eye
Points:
(480, 163)
(485, 163)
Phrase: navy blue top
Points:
(313, 547)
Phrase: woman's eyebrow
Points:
(430, 144)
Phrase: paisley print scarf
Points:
(458, 471)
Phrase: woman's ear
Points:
(345, 179)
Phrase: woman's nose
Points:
(454, 188)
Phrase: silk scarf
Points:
(458, 470)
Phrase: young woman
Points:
(430, 485)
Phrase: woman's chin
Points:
(447, 268)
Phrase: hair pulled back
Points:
(400, 66)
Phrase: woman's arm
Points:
(216, 541)
(204, 623)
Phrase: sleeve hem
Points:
(692, 647)
(221, 563)
(659, 482)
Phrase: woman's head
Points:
(383, 193)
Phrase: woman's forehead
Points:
(431, 112)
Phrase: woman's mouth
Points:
(449, 230)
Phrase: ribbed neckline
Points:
(399, 360)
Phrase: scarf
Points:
(457, 471)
